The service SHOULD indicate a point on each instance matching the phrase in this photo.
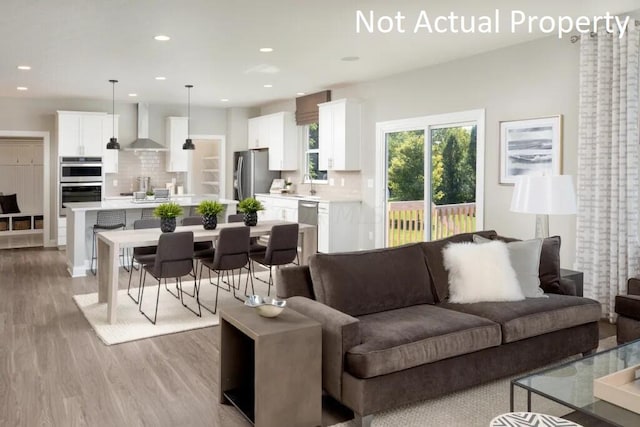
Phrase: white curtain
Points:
(608, 163)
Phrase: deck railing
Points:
(406, 221)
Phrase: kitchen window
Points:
(311, 155)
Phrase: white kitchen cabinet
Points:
(110, 157)
(258, 133)
(177, 131)
(278, 133)
(283, 142)
(338, 226)
(339, 135)
(80, 134)
(278, 208)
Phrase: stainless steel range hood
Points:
(143, 143)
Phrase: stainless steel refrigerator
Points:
(251, 173)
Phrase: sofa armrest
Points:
(294, 281)
(633, 286)
(340, 332)
(567, 286)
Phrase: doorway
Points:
(207, 172)
(430, 175)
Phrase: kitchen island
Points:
(81, 217)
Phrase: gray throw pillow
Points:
(525, 260)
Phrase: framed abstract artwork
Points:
(530, 147)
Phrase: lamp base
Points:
(542, 226)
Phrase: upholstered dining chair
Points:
(282, 249)
(200, 249)
(254, 245)
(231, 253)
(142, 255)
(174, 259)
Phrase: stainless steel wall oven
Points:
(80, 180)
(80, 169)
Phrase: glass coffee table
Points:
(571, 384)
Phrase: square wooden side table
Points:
(271, 368)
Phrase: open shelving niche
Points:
(210, 174)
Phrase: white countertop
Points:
(321, 199)
(129, 204)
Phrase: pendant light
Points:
(188, 143)
(113, 142)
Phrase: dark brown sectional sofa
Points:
(389, 336)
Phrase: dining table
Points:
(109, 244)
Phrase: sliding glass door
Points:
(430, 177)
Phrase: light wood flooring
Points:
(54, 371)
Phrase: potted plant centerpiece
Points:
(209, 209)
(250, 207)
(167, 212)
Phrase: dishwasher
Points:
(308, 212)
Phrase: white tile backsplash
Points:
(132, 164)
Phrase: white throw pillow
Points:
(480, 272)
(524, 256)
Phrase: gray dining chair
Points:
(231, 253)
(174, 259)
(254, 245)
(282, 249)
(142, 255)
(200, 249)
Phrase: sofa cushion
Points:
(549, 270)
(433, 252)
(480, 272)
(404, 338)
(367, 282)
(628, 306)
(524, 257)
(533, 316)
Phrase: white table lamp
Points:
(544, 196)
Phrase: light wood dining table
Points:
(110, 242)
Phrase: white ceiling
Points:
(76, 46)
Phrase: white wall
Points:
(535, 79)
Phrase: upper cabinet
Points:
(177, 131)
(258, 133)
(110, 157)
(80, 134)
(278, 133)
(339, 135)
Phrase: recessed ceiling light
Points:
(22, 88)
(350, 58)
(300, 93)
(162, 38)
(268, 85)
(161, 78)
(24, 67)
(224, 100)
(133, 94)
(266, 49)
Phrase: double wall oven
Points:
(80, 180)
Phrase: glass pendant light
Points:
(113, 142)
(188, 143)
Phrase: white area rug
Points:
(474, 407)
(131, 325)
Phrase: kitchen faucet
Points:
(312, 191)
